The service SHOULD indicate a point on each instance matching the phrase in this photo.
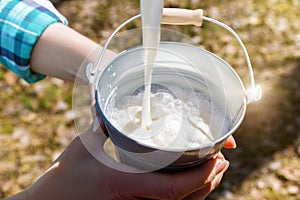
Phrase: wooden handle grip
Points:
(178, 16)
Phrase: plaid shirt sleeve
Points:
(21, 25)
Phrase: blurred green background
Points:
(36, 121)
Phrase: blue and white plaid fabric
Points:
(21, 24)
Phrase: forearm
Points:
(60, 51)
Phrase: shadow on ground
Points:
(270, 126)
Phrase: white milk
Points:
(151, 16)
(182, 122)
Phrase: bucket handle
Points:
(178, 16)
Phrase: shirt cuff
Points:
(21, 25)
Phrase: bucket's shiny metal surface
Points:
(177, 64)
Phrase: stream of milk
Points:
(151, 16)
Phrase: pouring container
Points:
(179, 63)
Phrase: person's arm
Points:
(77, 174)
(35, 41)
(80, 174)
(60, 51)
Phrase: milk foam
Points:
(189, 121)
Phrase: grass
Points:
(6, 127)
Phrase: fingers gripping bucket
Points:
(177, 65)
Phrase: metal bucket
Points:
(177, 64)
